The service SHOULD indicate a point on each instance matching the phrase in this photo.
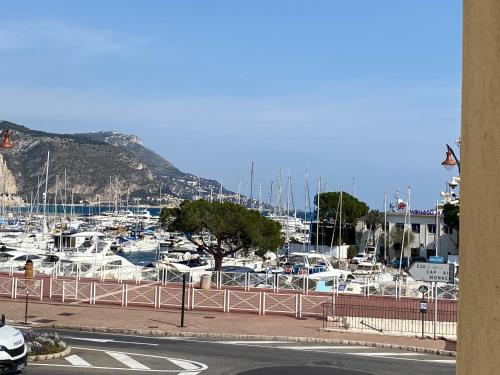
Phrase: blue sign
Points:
(434, 259)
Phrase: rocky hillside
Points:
(103, 165)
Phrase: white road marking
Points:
(77, 361)
(127, 361)
(184, 364)
(176, 372)
(387, 354)
(381, 355)
(108, 340)
(321, 347)
(442, 360)
(249, 342)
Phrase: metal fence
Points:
(384, 314)
(389, 315)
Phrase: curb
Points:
(43, 357)
(224, 336)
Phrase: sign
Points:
(423, 289)
(342, 287)
(434, 259)
(428, 272)
(423, 306)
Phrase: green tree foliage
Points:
(374, 220)
(396, 237)
(451, 215)
(352, 208)
(232, 228)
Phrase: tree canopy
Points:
(352, 208)
(451, 215)
(396, 237)
(222, 229)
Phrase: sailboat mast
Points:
(220, 191)
(251, 187)
(271, 198)
(340, 219)
(260, 197)
(385, 225)
(317, 214)
(45, 194)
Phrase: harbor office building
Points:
(430, 235)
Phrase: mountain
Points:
(103, 166)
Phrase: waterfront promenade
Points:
(147, 321)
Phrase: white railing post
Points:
(41, 290)
(263, 303)
(260, 303)
(124, 294)
(192, 299)
(63, 291)
(91, 286)
(156, 296)
(14, 293)
(50, 288)
(298, 300)
(226, 300)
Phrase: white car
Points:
(13, 352)
(361, 257)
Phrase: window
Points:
(399, 225)
(431, 228)
(415, 228)
(447, 229)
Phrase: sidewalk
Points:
(211, 322)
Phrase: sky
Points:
(362, 90)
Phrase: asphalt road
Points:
(96, 353)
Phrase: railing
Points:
(388, 315)
(366, 286)
(375, 313)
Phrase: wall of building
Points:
(479, 303)
(424, 238)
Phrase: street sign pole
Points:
(423, 307)
(435, 307)
(183, 298)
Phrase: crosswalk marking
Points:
(77, 361)
(185, 365)
(128, 361)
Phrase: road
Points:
(97, 353)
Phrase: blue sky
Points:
(363, 89)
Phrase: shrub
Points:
(41, 343)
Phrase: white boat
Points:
(315, 266)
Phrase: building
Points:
(427, 229)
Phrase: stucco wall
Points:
(479, 303)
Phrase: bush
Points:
(41, 343)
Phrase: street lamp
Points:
(451, 159)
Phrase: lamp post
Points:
(451, 159)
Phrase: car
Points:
(13, 352)
(361, 257)
(403, 260)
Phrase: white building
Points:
(423, 226)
